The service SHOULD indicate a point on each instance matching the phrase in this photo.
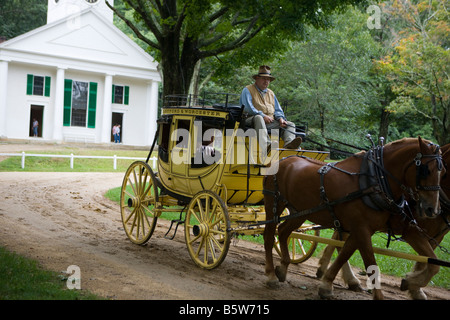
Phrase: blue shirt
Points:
(249, 108)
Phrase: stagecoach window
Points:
(163, 139)
(208, 144)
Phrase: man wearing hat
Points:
(264, 110)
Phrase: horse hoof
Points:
(355, 287)
(377, 294)
(404, 285)
(325, 293)
(280, 274)
(273, 284)
(417, 294)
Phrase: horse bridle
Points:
(422, 170)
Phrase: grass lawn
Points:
(46, 164)
(24, 279)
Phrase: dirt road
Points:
(63, 219)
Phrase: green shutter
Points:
(30, 84)
(67, 101)
(47, 86)
(126, 95)
(113, 90)
(92, 107)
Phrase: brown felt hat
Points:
(264, 71)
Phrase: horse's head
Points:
(417, 167)
(428, 169)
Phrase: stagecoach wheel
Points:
(299, 250)
(206, 229)
(138, 199)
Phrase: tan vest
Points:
(265, 104)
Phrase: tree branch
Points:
(218, 14)
(133, 27)
(147, 17)
(244, 38)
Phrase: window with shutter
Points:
(92, 108)
(120, 94)
(80, 103)
(38, 85)
(67, 101)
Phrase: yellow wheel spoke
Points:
(131, 214)
(149, 211)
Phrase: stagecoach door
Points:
(179, 145)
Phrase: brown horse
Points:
(423, 239)
(330, 195)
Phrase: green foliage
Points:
(418, 63)
(187, 31)
(20, 16)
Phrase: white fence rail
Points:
(72, 157)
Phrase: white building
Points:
(78, 75)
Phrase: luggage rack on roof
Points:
(215, 100)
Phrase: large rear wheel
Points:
(138, 202)
(299, 250)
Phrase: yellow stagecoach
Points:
(210, 170)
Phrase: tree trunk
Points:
(177, 76)
(384, 123)
(194, 86)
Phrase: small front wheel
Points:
(206, 229)
(138, 202)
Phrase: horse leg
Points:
(324, 260)
(368, 256)
(284, 231)
(326, 287)
(269, 234)
(269, 239)
(347, 273)
(422, 273)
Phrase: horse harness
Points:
(374, 188)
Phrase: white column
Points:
(3, 96)
(107, 110)
(58, 114)
(152, 110)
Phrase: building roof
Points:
(84, 41)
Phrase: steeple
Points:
(60, 9)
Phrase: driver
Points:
(264, 111)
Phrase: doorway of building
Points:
(36, 114)
(117, 119)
